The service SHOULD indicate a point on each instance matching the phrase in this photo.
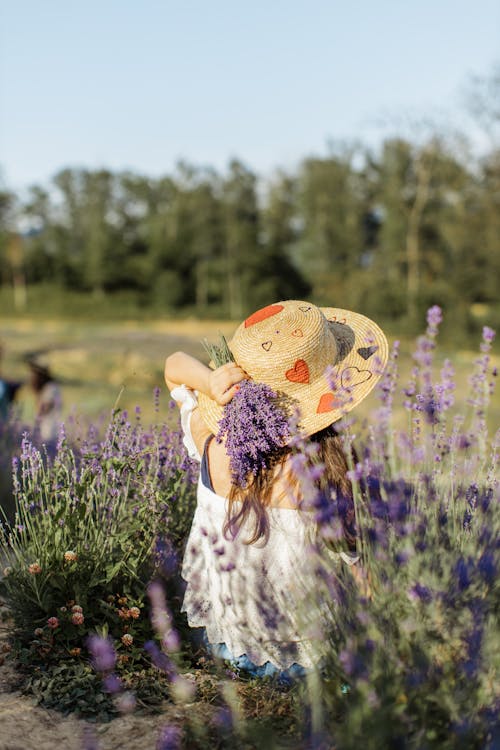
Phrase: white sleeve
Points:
(188, 402)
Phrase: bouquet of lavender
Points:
(255, 422)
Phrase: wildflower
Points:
(122, 600)
(63, 609)
(112, 684)
(127, 639)
(34, 569)
(184, 688)
(159, 659)
(171, 641)
(103, 653)
(488, 337)
(70, 556)
(53, 623)
(76, 608)
(7, 571)
(134, 612)
(77, 618)
(126, 702)
(487, 567)
(38, 632)
(75, 651)
(170, 738)
(462, 572)
(420, 593)
(124, 614)
(89, 738)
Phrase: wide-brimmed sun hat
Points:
(324, 360)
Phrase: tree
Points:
(331, 212)
(242, 246)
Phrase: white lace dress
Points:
(250, 596)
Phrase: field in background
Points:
(100, 364)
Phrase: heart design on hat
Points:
(299, 364)
(353, 376)
(327, 402)
(299, 373)
(262, 314)
(367, 351)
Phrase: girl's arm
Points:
(220, 384)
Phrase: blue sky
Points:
(141, 84)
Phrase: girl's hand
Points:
(223, 382)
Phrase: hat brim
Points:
(362, 356)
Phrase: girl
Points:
(248, 562)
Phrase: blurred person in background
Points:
(48, 401)
(8, 390)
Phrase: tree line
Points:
(388, 232)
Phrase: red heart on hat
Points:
(327, 402)
(262, 314)
(299, 373)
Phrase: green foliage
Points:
(93, 526)
(74, 687)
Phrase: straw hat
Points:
(325, 360)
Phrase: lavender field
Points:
(92, 584)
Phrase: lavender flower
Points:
(102, 652)
(112, 684)
(170, 738)
(254, 426)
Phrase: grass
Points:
(101, 364)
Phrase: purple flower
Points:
(102, 652)
(170, 738)
(112, 684)
(487, 567)
(462, 573)
(434, 319)
(89, 738)
(159, 659)
(488, 335)
(223, 719)
(254, 426)
(420, 592)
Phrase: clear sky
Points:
(139, 84)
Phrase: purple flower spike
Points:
(488, 334)
(434, 318)
(254, 426)
(112, 684)
(170, 738)
(102, 652)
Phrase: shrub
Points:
(93, 526)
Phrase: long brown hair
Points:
(256, 497)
